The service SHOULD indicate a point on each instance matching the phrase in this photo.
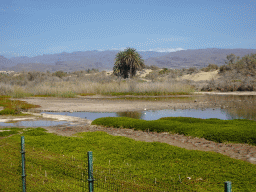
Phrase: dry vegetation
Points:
(236, 75)
(87, 82)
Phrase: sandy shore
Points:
(105, 104)
(227, 93)
(99, 103)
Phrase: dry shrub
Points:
(5, 89)
(210, 67)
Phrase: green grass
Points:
(236, 131)
(145, 162)
(14, 107)
(9, 131)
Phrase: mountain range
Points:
(104, 60)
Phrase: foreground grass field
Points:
(57, 163)
(236, 131)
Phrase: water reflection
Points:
(227, 107)
(237, 107)
(156, 114)
(131, 114)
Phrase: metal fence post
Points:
(23, 164)
(228, 187)
(90, 171)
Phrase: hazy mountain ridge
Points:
(104, 60)
(197, 58)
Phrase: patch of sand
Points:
(227, 93)
(96, 104)
(201, 76)
(144, 72)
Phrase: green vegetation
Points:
(236, 131)
(127, 63)
(9, 131)
(14, 107)
(56, 163)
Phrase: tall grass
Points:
(71, 89)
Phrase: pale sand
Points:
(202, 76)
(104, 104)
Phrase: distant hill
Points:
(197, 58)
(104, 60)
(5, 63)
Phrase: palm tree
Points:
(127, 63)
(120, 67)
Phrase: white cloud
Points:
(164, 49)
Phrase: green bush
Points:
(237, 131)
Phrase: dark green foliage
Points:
(8, 111)
(127, 63)
(237, 131)
(7, 133)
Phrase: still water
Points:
(231, 107)
(154, 115)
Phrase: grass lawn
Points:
(57, 163)
(235, 131)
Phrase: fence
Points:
(72, 174)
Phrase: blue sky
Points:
(37, 27)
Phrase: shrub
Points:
(210, 67)
(60, 74)
(237, 131)
(152, 67)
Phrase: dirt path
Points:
(236, 151)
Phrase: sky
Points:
(36, 27)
